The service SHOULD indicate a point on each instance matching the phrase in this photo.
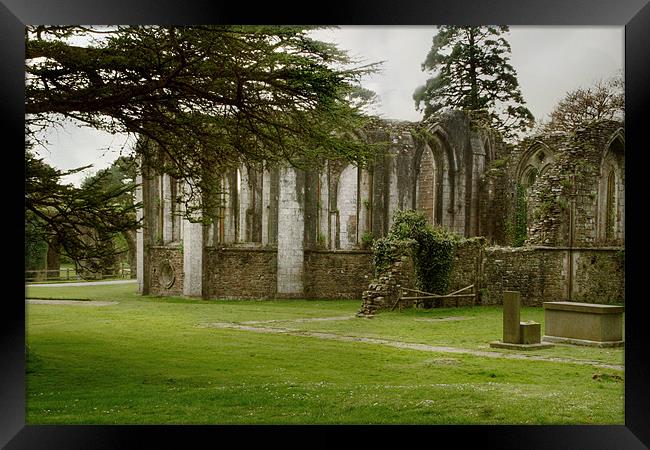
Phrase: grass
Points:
(154, 360)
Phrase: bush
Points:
(432, 248)
(367, 239)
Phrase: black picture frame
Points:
(634, 15)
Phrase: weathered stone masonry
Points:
(283, 232)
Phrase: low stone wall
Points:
(545, 274)
(466, 263)
(160, 257)
(598, 276)
(382, 293)
(337, 274)
(233, 272)
(541, 274)
(246, 272)
(538, 275)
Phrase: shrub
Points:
(432, 248)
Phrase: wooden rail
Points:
(429, 295)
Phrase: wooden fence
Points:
(428, 298)
(70, 274)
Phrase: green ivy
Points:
(432, 249)
(520, 226)
(367, 239)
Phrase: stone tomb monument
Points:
(518, 335)
(588, 324)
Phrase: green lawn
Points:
(162, 360)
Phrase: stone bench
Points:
(583, 324)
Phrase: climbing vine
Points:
(432, 249)
(520, 222)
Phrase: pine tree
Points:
(472, 73)
(205, 99)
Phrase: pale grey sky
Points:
(550, 61)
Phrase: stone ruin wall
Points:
(291, 233)
(236, 273)
(299, 216)
(540, 274)
(568, 201)
(232, 273)
(337, 274)
(159, 257)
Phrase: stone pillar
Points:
(230, 208)
(192, 239)
(346, 202)
(167, 209)
(393, 194)
(290, 235)
(364, 202)
(511, 316)
(266, 205)
(139, 235)
(478, 167)
(244, 205)
(324, 213)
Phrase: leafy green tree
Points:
(35, 244)
(119, 175)
(472, 72)
(203, 98)
(78, 222)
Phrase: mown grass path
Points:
(408, 345)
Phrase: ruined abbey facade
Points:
(550, 211)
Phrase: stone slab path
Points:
(407, 345)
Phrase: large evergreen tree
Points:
(472, 73)
(206, 98)
(199, 99)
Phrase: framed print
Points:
(343, 220)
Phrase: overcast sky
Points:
(550, 61)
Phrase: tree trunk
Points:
(130, 238)
(472, 72)
(53, 260)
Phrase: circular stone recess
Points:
(167, 275)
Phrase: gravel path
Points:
(410, 345)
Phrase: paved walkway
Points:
(410, 345)
(83, 283)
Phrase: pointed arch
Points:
(611, 192)
(446, 162)
(534, 161)
(425, 194)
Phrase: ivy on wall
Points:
(520, 225)
(431, 247)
